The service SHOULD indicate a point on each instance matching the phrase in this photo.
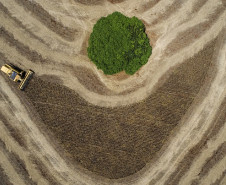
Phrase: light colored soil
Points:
(50, 38)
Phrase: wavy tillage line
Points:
(4, 179)
(15, 133)
(148, 5)
(115, 1)
(49, 21)
(192, 34)
(117, 142)
(215, 158)
(186, 163)
(44, 171)
(21, 48)
(87, 78)
(19, 23)
(198, 5)
(90, 2)
(210, 162)
(218, 181)
(168, 12)
(18, 164)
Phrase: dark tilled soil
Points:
(87, 78)
(18, 164)
(14, 132)
(44, 171)
(191, 34)
(4, 179)
(49, 21)
(117, 142)
(197, 149)
(90, 2)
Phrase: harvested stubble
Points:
(117, 142)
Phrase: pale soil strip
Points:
(60, 13)
(36, 26)
(175, 60)
(182, 142)
(212, 146)
(110, 82)
(13, 56)
(23, 37)
(120, 99)
(152, 72)
(161, 46)
(14, 178)
(223, 180)
(24, 155)
(171, 33)
(47, 20)
(154, 12)
(184, 14)
(55, 164)
(58, 50)
(214, 173)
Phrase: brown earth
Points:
(106, 141)
(75, 125)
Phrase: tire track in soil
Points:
(214, 159)
(168, 12)
(19, 23)
(14, 132)
(21, 48)
(47, 20)
(218, 181)
(187, 161)
(87, 126)
(148, 5)
(90, 2)
(184, 39)
(18, 164)
(44, 171)
(4, 179)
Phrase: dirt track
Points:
(186, 99)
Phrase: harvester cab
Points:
(17, 75)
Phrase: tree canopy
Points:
(119, 43)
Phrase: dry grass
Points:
(117, 142)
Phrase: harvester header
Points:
(17, 75)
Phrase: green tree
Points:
(119, 43)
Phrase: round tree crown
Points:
(119, 43)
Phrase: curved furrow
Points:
(17, 164)
(27, 156)
(14, 178)
(156, 11)
(112, 87)
(144, 6)
(48, 68)
(215, 158)
(221, 180)
(184, 14)
(215, 173)
(122, 128)
(36, 27)
(49, 21)
(195, 126)
(57, 10)
(4, 178)
(193, 33)
(75, 125)
(176, 5)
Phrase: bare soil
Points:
(117, 142)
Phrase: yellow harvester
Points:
(17, 75)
